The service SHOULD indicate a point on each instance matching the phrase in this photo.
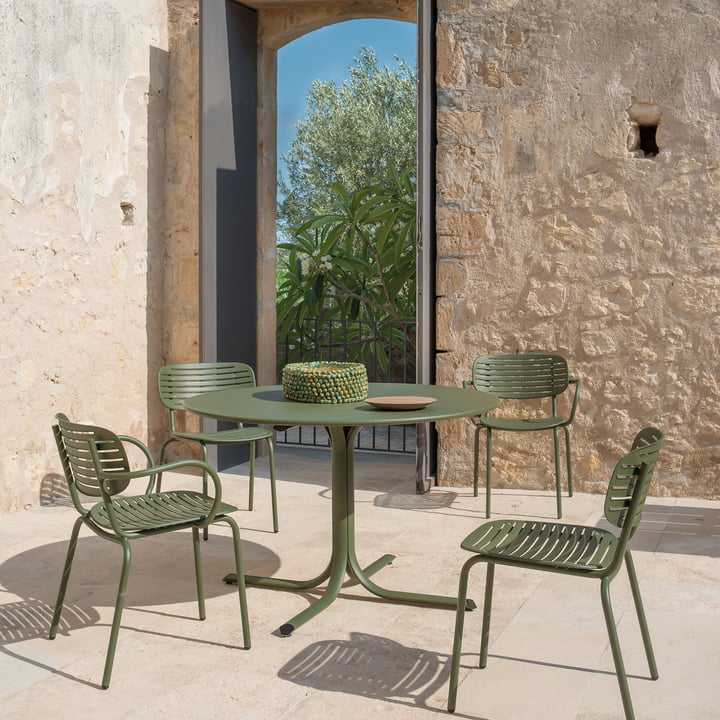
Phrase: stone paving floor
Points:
(549, 655)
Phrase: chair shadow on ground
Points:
(162, 570)
(162, 574)
(30, 619)
(372, 667)
(678, 530)
(688, 530)
(436, 500)
(379, 668)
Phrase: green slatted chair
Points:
(96, 464)
(177, 383)
(577, 550)
(523, 377)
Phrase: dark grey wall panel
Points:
(426, 299)
(228, 189)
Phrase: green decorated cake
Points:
(325, 382)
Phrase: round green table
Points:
(268, 406)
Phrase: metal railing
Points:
(388, 351)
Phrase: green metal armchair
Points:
(96, 464)
(575, 550)
(523, 377)
(177, 383)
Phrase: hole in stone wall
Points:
(648, 140)
(645, 118)
(127, 210)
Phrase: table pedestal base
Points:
(343, 560)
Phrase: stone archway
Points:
(278, 25)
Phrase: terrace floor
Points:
(549, 654)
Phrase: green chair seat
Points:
(574, 550)
(553, 545)
(531, 377)
(522, 425)
(159, 512)
(96, 464)
(177, 383)
(227, 437)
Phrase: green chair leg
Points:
(204, 458)
(488, 472)
(198, 573)
(615, 647)
(642, 620)
(487, 609)
(273, 488)
(239, 573)
(251, 493)
(476, 464)
(163, 448)
(558, 474)
(65, 577)
(117, 615)
(568, 460)
(459, 625)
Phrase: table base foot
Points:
(231, 579)
(286, 630)
(379, 564)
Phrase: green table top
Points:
(268, 406)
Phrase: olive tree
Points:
(350, 132)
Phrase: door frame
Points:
(232, 265)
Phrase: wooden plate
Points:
(400, 402)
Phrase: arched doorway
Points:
(238, 47)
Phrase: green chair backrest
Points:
(177, 383)
(521, 377)
(74, 444)
(628, 488)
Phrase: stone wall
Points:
(180, 328)
(555, 232)
(181, 229)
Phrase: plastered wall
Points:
(84, 125)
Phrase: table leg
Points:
(344, 559)
(342, 440)
(338, 556)
(363, 575)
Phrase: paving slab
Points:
(549, 655)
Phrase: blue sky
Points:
(326, 55)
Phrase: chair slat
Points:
(521, 376)
(176, 383)
(548, 544)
